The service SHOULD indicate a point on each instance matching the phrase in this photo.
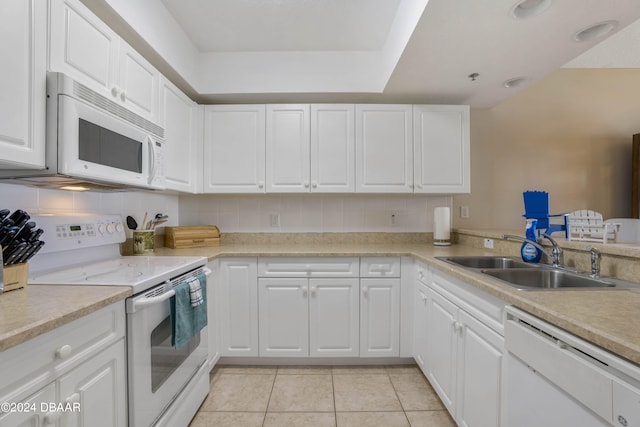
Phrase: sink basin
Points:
(542, 278)
(486, 262)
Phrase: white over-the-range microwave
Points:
(93, 142)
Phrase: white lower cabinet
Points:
(213, 325)
(97, 389)
(38, 417)
(465, 354)
(380, 317)
(308, 317)
(72, 376)
(310, 307)
(284, 317)
(333, 317)
(238, 305)
(421, 321)
(302, 317)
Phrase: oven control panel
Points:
(64, 232)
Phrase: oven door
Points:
(94, 144)
(157, 371)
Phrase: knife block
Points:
(16, 276)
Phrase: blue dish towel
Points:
(187, 321)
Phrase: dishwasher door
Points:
(554, 378)
(533, 401)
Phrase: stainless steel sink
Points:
(481, 262)
(545, 278)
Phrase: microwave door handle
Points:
(152, 158)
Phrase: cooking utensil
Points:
(144, 221)
(131, 223)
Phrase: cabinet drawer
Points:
(45, 357)
(380, 267)
(308, 267)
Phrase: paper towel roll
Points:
(441, 226)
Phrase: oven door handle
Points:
(142, 303)
(146, 302)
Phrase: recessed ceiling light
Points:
(516, 82)
(528, 8)
(595, 31)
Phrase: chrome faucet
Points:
(556, 255)
(595, 261)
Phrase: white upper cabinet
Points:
(288, 148)
(23, 84)
(181, 119)
(234, 149)
(384, 149)
(332, 148)
(85, 48)
(441, 149)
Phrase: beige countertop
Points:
(607, 318)
(36, 309)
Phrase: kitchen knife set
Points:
(19, 237)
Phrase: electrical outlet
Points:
(394, 218)
(464, 212)
(488, 243)
(275, 220)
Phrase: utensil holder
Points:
(143, 242)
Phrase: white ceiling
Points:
(284, 25)
(412, 51)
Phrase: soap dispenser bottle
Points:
(529, 252)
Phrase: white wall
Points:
(42, 201)
(311, 213)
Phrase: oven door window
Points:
(165, 358)
(105, 147)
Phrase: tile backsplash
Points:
(312, 213)
(43, 201)
(242, 213)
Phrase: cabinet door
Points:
(182, 121)
(239, 306)
(288, 134)
(332, 148)
(234, 149)
(284, 317)
(379, 317)
(213, 324)
(23, 84)
(443, 346)
(334, 321)
(384, 149)
(441, 148)
(36, 416)
(83, 47)
(479, 378)
(139, 83)
(421, 321)
(98, 389)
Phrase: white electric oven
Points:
(165, 385)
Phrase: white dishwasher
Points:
(554, 379)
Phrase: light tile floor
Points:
(340, 396)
